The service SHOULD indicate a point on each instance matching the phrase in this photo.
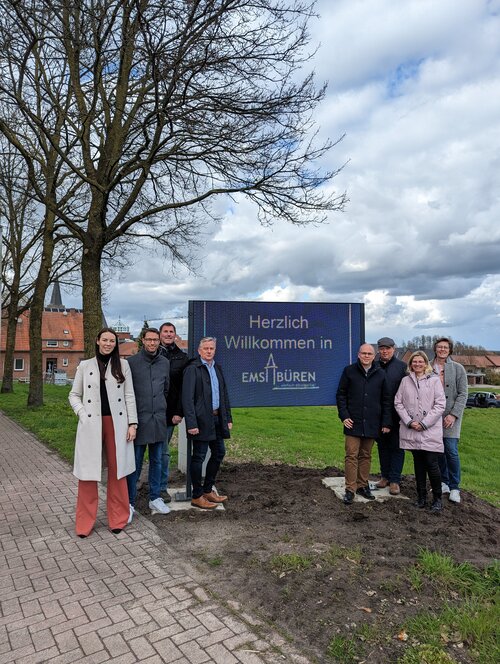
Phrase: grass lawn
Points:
(309, 436)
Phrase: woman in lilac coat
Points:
(420, 403)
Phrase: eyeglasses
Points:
(152, 341)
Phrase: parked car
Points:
(483, 400)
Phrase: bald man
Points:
(364, 407)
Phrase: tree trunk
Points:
(91, 297)
(35, 395)
(10, 343)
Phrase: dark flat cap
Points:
(386, 341)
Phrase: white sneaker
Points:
(445, 488)
(131, 514)
(454, 496)
(158, 506)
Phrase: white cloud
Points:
(415, 84)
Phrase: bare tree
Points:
(23, 250)
(21, 243)
(164, 106)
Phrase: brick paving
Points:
(109, 598)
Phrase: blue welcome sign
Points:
(280, 353)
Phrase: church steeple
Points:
(56, 299)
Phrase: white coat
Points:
(85, 399)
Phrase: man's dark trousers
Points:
(391, 456)
(217, 453)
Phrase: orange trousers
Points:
(117, 491)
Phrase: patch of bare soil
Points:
(357, 582)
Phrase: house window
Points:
(19, 364)
(52, 343)
(65, 362)
(65, 343)
(66, 331)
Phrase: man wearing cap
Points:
(391, 456)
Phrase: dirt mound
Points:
(289, 550)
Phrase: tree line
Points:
(459, 347)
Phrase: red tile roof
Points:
(53, 325)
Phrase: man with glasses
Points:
(364, 407)
(150, 375)
(454, 380)
(208, 421)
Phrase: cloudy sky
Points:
(415, 86)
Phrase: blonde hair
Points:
(420, 353)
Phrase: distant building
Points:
(128, 346)
(62, 342)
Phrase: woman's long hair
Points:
(114, 356)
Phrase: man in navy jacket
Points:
(364, 407)
(208, 421)
(391, 456)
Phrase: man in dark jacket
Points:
(390, 455)
(208, 421)
(178, 361)
(364, 406)
(150, 375)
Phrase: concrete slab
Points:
(337, 485)
(183, 505)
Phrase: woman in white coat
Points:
(420, 404)
(103, 398)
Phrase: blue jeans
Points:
(217, 453)
(154, 450)
(449, 463)
(391, 456)
(165, 459)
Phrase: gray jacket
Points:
(456, 391)
(150, 375)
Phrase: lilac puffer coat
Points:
(421, 401)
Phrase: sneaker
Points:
(131, 514)
(445, 488)
(158, 506)
(454, 496)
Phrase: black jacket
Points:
(178, 361)
(365, 399)
(197, 401)
(395, 371)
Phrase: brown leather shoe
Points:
(203, 503)
(381, 484)
(214, 497)
(394, 489)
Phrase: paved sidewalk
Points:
(109, 598)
